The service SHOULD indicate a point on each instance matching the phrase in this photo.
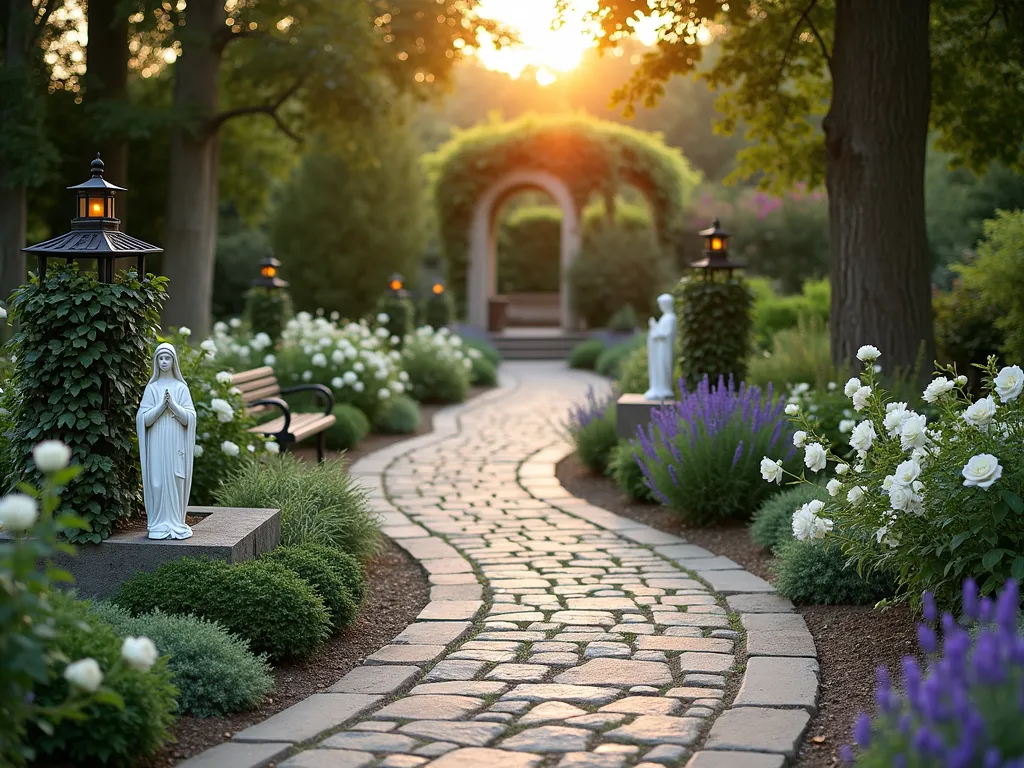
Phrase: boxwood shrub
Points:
(398, 416)
(350, 426)
(809, 572)
(325, 581)
(584, 355)
(273, 608)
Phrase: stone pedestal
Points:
(632, 411)
(228, 534)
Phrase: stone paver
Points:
(557, 633)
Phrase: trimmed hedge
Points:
(585, 354)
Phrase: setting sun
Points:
(542, 50)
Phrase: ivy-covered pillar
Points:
(713, 308)
(267, 303)
(82, 357)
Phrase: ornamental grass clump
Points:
(931, 500)
(965, 707)
(700, 455)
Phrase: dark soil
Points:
(852, 641)
(398, 591)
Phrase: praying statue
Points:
(166, 425)
(661, 346)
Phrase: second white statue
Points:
(661, 350)
(166, 425)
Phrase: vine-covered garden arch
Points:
(571, 158)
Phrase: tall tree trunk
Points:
(13, 195)
(191, 231)
(107, 80)
(876, 134)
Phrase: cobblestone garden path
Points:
(558, 634)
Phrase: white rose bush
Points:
(930, 499)
(439, 366)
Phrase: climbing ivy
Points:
(79, 338)
(591, 156)
(714, 328)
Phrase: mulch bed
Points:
(398, 591)
(852, 641)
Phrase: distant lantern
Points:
(270, 269)
(437, 288)
(716, 251)
(396, 283)
(95, 232)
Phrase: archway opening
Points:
(528, 227)
(496, 305)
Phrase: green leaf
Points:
(958, 540)
(1017, 569)
(1013, 500)
(992, 558)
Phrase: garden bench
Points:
(261, 392)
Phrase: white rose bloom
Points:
(383, 394)
(269, 360)
(982, 470)
(220, 327)
(307, 349)
(272, 447)
(18, 512)
(85, 674)
(821, 526)
(234, 322)
(337, 357)
(914, 432)
(382, 318)
(243, 351)
(139, 653)
(792, 409)
(251, 448)
(960, 380)
(900, 497)
(799, 438)
(771, 470)
(209, 346)
(398, 387)
(846, 425)
(803, 523)
(224, 377)
(863, 436)
(382, 333)
(185, 331)
(851, 386)
(338, 383)
(51, 456)
(834, 486)
(262, 339)
(832, 386)
(907, 472)
(197, 451)
(980, 412)
(888, 482)
(223, 409)
(815, 457)
(894, 418)
(350, 377)
(319, 360)
(335, 315)
(855, 494)
(860, 398)
(231, 449)
(358, 367)
(868, 353)
(307, 375)
(842, 469)
(403, 376)
(1009, 382)
(938, 387)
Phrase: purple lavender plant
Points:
(701, 456)
(584, 413)
(591, 427)
(967, 708)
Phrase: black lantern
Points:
(716, 251)
(396, 284)
(95, 232)
(269, 270)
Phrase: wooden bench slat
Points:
(272, 390)
(243, 377)
(255, 384)
(302, 425)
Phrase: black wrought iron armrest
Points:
(320, 389)
(279, 403)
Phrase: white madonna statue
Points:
(166, 424)
(661, 346)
